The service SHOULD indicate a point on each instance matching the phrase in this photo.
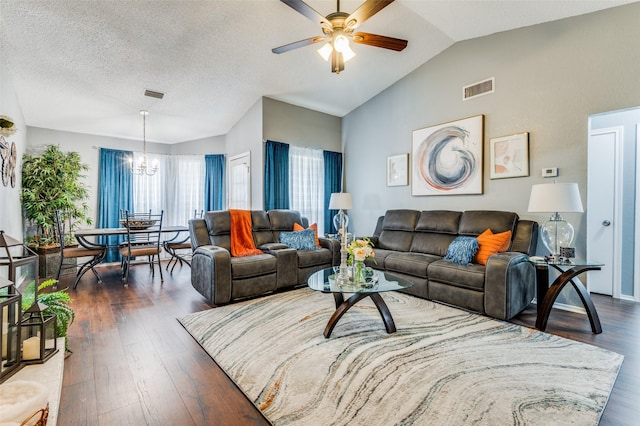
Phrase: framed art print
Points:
(397, 166)
(447, 158)
(510, 156)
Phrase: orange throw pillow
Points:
(491, 243)
(297, 227)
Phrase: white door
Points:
(240, 181)
(603, 210)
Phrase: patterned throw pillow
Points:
(299, 240)
(298, 227)
(491, 244)
(461, 250)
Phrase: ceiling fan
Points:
(338, 28)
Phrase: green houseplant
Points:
(57, 303)
(53, 180)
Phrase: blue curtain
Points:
(276, 175)
(115, 194)
(332, 183)
(214, 182)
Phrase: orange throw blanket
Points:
(242, 243)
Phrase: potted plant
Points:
(53, 180)
(57, 303)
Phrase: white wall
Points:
(211, 145)
(246, 136)
(10, 206)
(549, 79)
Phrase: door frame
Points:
(617, 203)
(636, 269)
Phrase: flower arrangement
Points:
(360, 249)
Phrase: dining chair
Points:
(143, 238)
(175, 247)
(85, 249)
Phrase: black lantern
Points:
(19, 264)
(39, 335)
(10, 306)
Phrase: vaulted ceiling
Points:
(83, 66)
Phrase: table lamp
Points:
(341, 201)
(555, 198)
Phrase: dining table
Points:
(85, 236)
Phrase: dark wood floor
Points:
(134, 364)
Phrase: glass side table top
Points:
(324, 281)
(536, 260)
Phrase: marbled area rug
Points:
(443, 366)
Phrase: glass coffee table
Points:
(323, 281)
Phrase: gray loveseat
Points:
(222, 278)
(412, 244)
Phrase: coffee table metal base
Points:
(342, 306)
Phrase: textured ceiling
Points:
(82, 66)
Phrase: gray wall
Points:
(299, 126)
(549, 79)
(10, 207)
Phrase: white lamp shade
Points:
(340, 201)
(555, 197)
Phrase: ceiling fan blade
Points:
(380, 41)
(365, 11)
(308, 11)
(297, 44)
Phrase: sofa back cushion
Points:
(398, 229)
(261, 228)
(475, 222)
(283, 220)
(219, 227)
(435, 231)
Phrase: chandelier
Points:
(142, 167)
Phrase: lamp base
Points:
(555, 233)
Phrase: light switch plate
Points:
(550, 172)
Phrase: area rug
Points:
(443, 366)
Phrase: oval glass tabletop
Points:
(380, 281)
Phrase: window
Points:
(306, 184)
(177, 187)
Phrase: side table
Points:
(547, 295)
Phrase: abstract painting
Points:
(510, 156)
(397, 170)
(447, 158)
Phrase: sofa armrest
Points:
(334, 246)
(286, 266)
(509, 286)
(211, 273)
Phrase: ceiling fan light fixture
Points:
(347, 53)
(341, 43)
(325, 51)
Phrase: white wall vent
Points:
(153, 94)
(478, 89)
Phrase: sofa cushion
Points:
(299, 240)
(461, 250)
(490, 244)
(261, 228)
(464, 276)
(439, 221)
(429, 243)
(409, 263)
(475, 222)
(314, 258)
(252, 266)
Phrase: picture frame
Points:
(509, 156)
(397, 170)
(447, 159)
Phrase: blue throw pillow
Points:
(299, 240)
(461, 250)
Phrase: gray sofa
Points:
(222, 278)
(412, 244)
